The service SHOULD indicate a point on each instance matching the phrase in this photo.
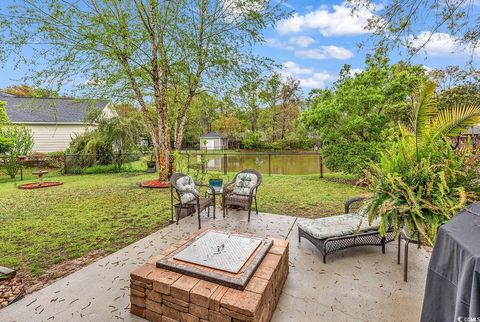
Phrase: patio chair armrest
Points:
(252, 190)
(350, 201)
(193, 192)
(227, 185)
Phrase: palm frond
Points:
(423, 108)
(456, 120)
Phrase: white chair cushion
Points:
(244, 183)
(186, 183)
(337, 226)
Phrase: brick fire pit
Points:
(177, 290)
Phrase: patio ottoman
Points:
(331, 234)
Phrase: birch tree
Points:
(158, 53)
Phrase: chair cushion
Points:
(244, 183)
(186, 183)
(337, 226)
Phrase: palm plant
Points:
(418, 183)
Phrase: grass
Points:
(105, 212)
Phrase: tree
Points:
(414, 23)
(271, 96)
(21, 143)
(5, 142)
(28, 91)
(289, 106)
(249, 94)
(456, 86)
(111, 142)
(354, 118)
(229, 126)
(150, 51)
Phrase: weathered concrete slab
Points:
(359, 284)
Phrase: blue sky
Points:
(315, 42)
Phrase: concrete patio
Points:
(358, 284)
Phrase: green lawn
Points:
(101, 213)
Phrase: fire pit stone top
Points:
(158, 293)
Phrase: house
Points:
(213, 141)
(54, 121)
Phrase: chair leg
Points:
(208, 211)
(256, 206)
(405, 267)
(198, 214)
(299, 236)
(214, 210)
(249, 211)
(399, 249)
(383, 244)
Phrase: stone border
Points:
(161, 295)
(237, 281)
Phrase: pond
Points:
(292, 164)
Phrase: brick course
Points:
(162, 295)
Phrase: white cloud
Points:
(272, 42)
(438, 44)
(308, 77)
(355, 71)
(301, 41)
(293, 68)
(317, 80)
(336, 22)
(325, 52)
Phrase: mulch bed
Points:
(10, 290)
(34, 185)
(155, 184)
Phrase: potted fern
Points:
(420, 181)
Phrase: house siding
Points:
(213, 143)
(54, 138)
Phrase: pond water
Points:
(293, 164)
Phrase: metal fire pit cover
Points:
(218, 250)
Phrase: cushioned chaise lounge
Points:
(331, 234)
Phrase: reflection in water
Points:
(279, 164)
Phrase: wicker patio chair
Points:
(242, 191)
(335, 233)
(188, 197)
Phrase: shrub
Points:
(350, 157)
(419, 182)
(22, 139)
(253, 140)
(113, 142)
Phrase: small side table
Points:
(215, 193)
(408, 239)
(40, 174)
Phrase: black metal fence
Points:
(267, 163)
(295, 163)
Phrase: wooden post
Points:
(65, 171)
(188, 163)
(321, 165)
(225, 160)
(269, 164)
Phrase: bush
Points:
(113, 142)
(252, 141)
(22, 139)
(350, 158)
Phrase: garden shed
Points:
(213, 141)
(54, 121)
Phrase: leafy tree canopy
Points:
(413, 24)
(28, 91)
(354, 116)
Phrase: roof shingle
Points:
(49, 110)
